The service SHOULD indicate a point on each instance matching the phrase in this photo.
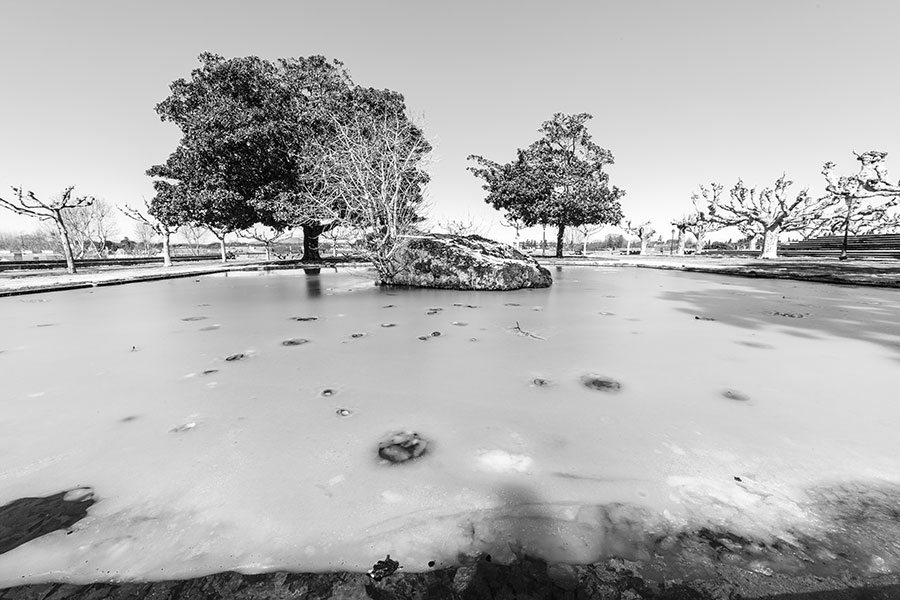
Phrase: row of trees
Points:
(853, 204)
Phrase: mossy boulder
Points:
(457, 262)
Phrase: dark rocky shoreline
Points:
(525, 578)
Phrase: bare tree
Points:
(586, 231)
(769, 211)
(194, 234)
(467, 226)
(517, 225)
(145, 236)
(681, 226)
(869, 182)
(644, 232)
(372, 172)
(335, 234)
(267, 236)
(29, 205)
(698, 222)
(145, 223)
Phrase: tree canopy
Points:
(254, 137)
(559, 180)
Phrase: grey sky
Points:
(681, 92)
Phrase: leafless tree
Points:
(467, 226)
(336, 234)
(92, 226)
(698, 222)
(267, 236)
(870, 182)
(681, 226)
(769, 211)
(194, 234)
(586, 231)
(644, 232)
(54, 211)
(517, 225)
(372, 172)
(145, 223)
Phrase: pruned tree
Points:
(54, 211)
(147, 224)
(870, 182)
(267, 236)
(643, 231)
(681, 226)
(770, 211)
(698, 222)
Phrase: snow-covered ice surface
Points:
(742, 403)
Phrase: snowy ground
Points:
(743, 403)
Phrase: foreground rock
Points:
(464, 263)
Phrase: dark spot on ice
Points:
(459, 323)
(435, 334)
(304, 318)
(388, 306)
(430, 563)
(473, 339)
(46, 324)
(512, 304)
(703, 318)
(183, 428)
(402, 446)
(422, 337)
(195, 318)
(388, 324)
(789, 315)
(327, 392)
(487, 558)
(134, 348)
(357, 335)
(210, 328)
(735, 395)
(603, 384)
(204, 304)
(26, 519)
(471, 306)
(606, 314)
(458, 304)
(294, 342)
(738, 479)
(210, 371)
(540, 382)
(127, 419)
(234, 357)
(343, 412)
(757, 345)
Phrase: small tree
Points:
(698, 223)
(146, 225)
(587, 230)
(193, 234)
(267, 236)
(29, 205)
(681, 226)
(644, 232)
(769, 211)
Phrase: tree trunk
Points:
(770, 244)
(628, 247)
(700, 241)
(222, 248)
(311, 233)
(644, 246)
(268, 251)
(584, 246)
(64, 240)
(681, 240)
(560, 234)
(167, 252)
(544, 241)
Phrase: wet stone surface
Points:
(402, 446)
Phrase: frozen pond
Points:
(748, 406)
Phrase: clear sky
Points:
(682, 92)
